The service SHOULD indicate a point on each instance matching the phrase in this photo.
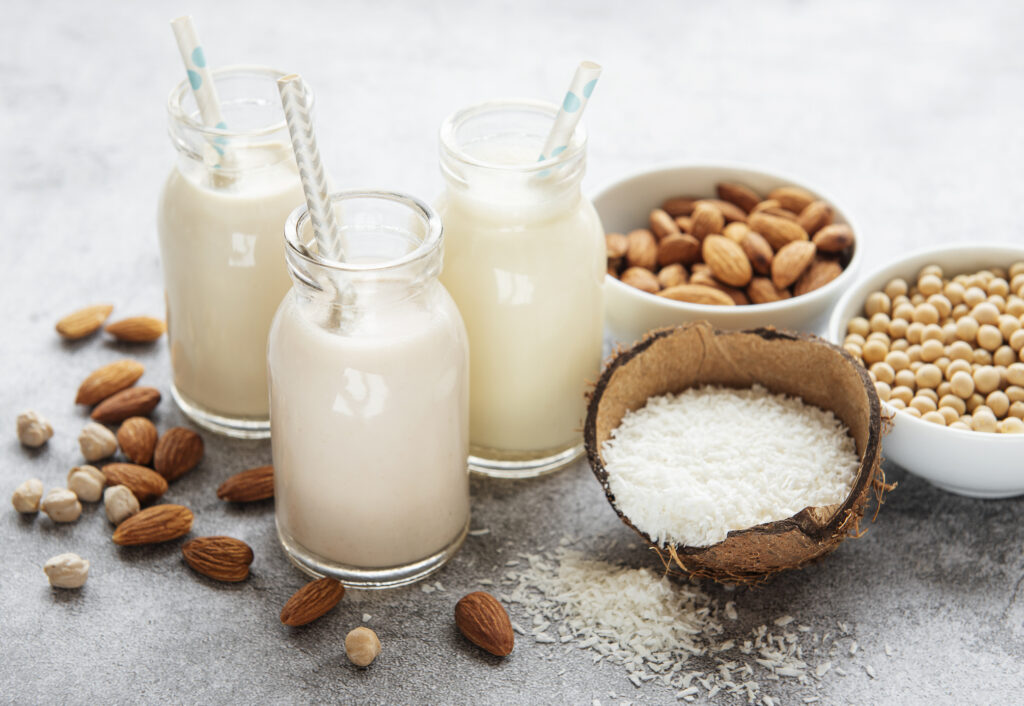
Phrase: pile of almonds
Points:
(737, 249)
(950, 351)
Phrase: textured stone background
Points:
(910, 112)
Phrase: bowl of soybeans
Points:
(941, 333)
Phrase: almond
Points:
(133, 402)
(758, 251)
(816, 216)
(615, 245)
(642, 249)
(728, 262)
(736, 231)
(160, 523)
(248, 486)
(84, 322)
(679, 206)
(792, 198)
(820, 273)
(662, 224)
(765, 205)
(743, 196)
(641, 278)
(707, 220)
(791, 261)
(137, 438)
(730, 211)
(484, 622)
(312, 601)
(697, 294)
(762, 291)
(146, 485)
(777, 231)
(177, 453)
(105, 381)
(672, 275)
(781, 213)
(679, 248)
(221, 558)
(137, 329)
(685, 223)
(834, 238)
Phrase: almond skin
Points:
(137, 439)
(133, 402)
(484, 622)
(777, 231)
(680, 248)
(758, 251)
(697, 294)
(728, 262)
(743, 196)
(729, 211)
(707, 220)
(312, 601)
(820, 273)
(641, 278)
(816, 216)
(615, 245)
(672, 275)
(137, 329)
(662, 224)
(218, 557)
(642, 249)
(791, 261)
(248, 486)
(834, 238)
(762, 291)
(679, 206)
(792, 198)
(160, 523)
(146, 485)
(104, 382)
(178, 452)
(84, 322)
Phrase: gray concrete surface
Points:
(909, 112)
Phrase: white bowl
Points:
(975, 464)
(630, 313)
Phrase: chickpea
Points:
(913, 411)
(930, 270)
(981, 356)
(974, 401)
(959, 311)
(989, 337)
(941, 304)
(1015, 393)
(877, 303)
(1010, 425)
(929, 284)
(915, 331)
(898, 328)
(967, 328)
(854, 338)
(880, 322)
(954, 292)
(974, 296)
(998, 302)
(953, 402)
(1015, 374)
(1016, 268)
(982, 419)
(960, 425)
(883, 372)
(962, 384)
(998, 402)
(874, 351)
(883, 390)
(960, 350)
(948, 415)
(901, 300)
(932, 350)
(1016, 410)
(923, 404)
(915, 365)
(896, 403)
(928, 392)
(858, 325)
(1017, 340)
(906, 378)
(896, 287)
(931, 332)
(944, 389)
(880, 336)
(986, 379)
(900, 392)
(949, 332)
(903, 310)
(853, 349)
(926, 314)
(898, 360)
(1004, 356)
(934, 418)
(998, 286)
(1015, 304)
(900, 344)
(985, 313)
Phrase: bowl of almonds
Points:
(734, 246)
(941, 332)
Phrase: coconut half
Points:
(673, 359)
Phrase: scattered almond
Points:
(84, 322)
(697, 294)
(791, 261)
(248, 486)
(105, 381)
(484, 622)
(312, 601)
(160, 523)
(137, 329)
(137, 438)
(133, 402)
(146, 485)
(218, 557)
(177, 453)
(728, 262)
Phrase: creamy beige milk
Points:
(225, 274)
(526, 268)
(370, 431)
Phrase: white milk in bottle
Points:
(369, 395)
(525, 262)
(219, 220)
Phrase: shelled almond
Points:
(739, 248)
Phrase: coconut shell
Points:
(673, 359)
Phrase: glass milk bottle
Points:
(525, 262)
(219, 219)
(369, 398)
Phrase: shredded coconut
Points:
(689, 468)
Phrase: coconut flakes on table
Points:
(688, 468)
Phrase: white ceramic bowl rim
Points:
(719, 311)
(835, 325)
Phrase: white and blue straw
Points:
(575, 101)
(201, 82)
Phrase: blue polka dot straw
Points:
(573, 105)
(202, 84)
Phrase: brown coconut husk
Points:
(674, 359)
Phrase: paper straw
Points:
(200, 80)
(311, 169)
(575, 101)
